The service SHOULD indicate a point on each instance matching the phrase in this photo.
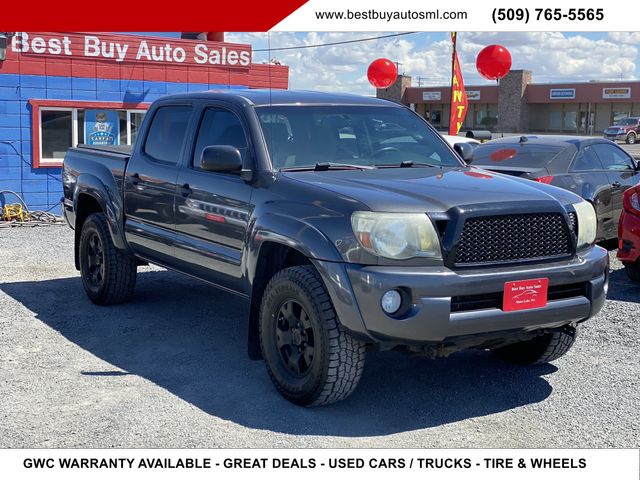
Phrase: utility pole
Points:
(398, 67)
(420, 81)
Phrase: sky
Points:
(552, 56)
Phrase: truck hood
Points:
(426, 189)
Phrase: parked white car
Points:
(453, 139)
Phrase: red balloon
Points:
(382, 73)
(493, 62)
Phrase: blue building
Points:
(59, 90)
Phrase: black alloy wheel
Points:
(295, 338)
(310, 357)
(95, 260)
(108, 274)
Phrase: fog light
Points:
(391, 301)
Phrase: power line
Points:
(333, 43)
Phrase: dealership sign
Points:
(122, 48)
(562, 93)
(619, 92)
(437, 96)
(473, 94)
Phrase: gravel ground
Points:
(169, 369)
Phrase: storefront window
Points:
(57, 133)
(122, 117)
(135, 120)
(64, 127)
(619, 116)
(570, 121)
(555, 120)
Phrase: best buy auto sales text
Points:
(114, 48)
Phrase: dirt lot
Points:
(169, 369)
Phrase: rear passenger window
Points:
(613, 158)
(586, 161)
(167, 132)
(219, 127)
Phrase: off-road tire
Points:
(633, 271)
(338, 358)
(543, 349)
(118, 277)
(631, 138)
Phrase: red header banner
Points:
(190, 15)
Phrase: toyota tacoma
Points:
(346, 222)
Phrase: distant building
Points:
(519, 105)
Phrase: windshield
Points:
(303, 136)
(516, 155)
(628, 121)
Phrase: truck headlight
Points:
(396, 235)
(587, 223)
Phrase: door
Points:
(588, 179)
(150, 184)
(621, 171)
(212, 208)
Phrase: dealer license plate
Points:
(525, 294)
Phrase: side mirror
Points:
(221, 158)
(465, 150)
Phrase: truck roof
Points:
(260, 97)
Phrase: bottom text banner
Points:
(549, 464)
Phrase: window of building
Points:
(555, 120)
(436, 117)
(57, 132)
(60, 124)
(167, 132)
(617, 117)
(571, 121)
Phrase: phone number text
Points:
(547, 14)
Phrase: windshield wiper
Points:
(408, 164)
(324, 166)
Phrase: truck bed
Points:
(117, 149)
(107, 163)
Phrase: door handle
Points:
(134, 178)
(185, 190)
(616, 184)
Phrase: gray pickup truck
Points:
(346, 222)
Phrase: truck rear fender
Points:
(91, 195)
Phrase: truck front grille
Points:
(513, 238)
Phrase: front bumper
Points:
(615, 136)
(356, 291)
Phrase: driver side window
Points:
(219, 127)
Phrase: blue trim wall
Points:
(41, 188)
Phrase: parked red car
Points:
(629, 233)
